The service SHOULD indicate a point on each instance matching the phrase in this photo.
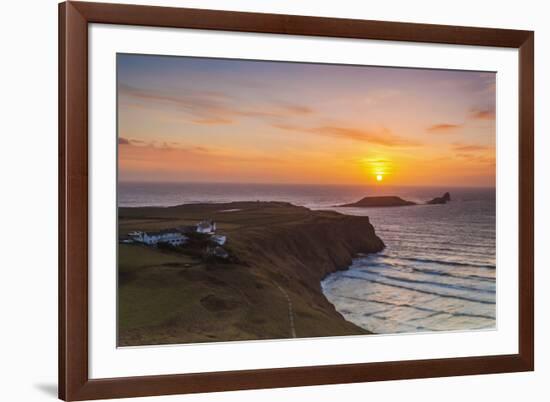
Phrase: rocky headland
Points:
(284, 252)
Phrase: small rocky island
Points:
(440, 200)
(393, 201)
(388, 201)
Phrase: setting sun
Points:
(378, 177)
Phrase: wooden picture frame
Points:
(74, 381)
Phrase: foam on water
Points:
(437, 272)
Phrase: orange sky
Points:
(213, 120)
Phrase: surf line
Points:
(290, 311)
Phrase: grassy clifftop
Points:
(273, 291)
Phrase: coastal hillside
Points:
(269, 288)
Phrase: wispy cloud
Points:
(297, 109)
(130, 141)
(443, 128)
(158, 149)
(379, 166)
(471, 147)
(480, 159)
(382, 136)
(213, 121)
(482, 114)
(210, 107)
(175, 154)
(159, 145)
(475, 153)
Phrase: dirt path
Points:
(290, 311)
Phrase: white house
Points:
(219, 239)
(208, 227)
(164, 236)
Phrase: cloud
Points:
(175, 156)
(471, 147)
(209, 107)
(213, 121)
(475, 114)
(443, 128)
(482, 114)
(288, 127)
(297, 109)
(130, 141)
(382, 136)
(162, 152)
(200, 105)
(378, 165)
(481, 159)
(476, 153)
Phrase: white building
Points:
(207, 227)
(163, 236)
(219, 239)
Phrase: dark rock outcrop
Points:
(386, 201)
(440, 200)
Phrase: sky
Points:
(183, 119)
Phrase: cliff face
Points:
(323, 243)
(299, 254)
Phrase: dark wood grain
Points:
(62, 205)
(298, 25)
(73, 196)
(74, 382)
(300, 376)
(526, 201)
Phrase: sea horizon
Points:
(141, 194)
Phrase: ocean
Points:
(437, 272)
